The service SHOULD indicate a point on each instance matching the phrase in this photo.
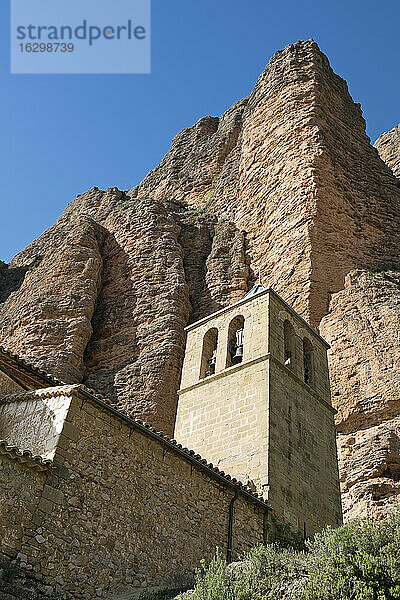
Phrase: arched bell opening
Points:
(289, 345)
(235, 348)
(209, 353)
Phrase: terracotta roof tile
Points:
(24, 456)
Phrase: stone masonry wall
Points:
(303, 473)
(224, 418)
(255, 334)
(259, 420)
(20, 490)
(121, 512)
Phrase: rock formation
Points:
(106, 295)
(363, 330)
(285, 181)
(388, 146)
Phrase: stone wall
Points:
(21, 485)
(255, 333)
(303, 471)
(279, 312)
(124, 510)
(224, 418)
(302, 456)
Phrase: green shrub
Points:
(9, 574)
(261, 575)
(161, 595)
(214, 581)
(197, 212)
(358, 561)
(281, 533)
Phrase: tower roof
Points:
(256, 289)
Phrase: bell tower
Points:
(255, 401)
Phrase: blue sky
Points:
(63, 134)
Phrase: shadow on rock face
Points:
(11, 279)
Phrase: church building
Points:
(255, 400)
(96, 504)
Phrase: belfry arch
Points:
(235, 346)
(209, 353)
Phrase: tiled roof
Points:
(24, 456)
(147, 430)
(16, 362)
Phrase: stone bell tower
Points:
(255, 401)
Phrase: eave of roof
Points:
(25, 456)
(13, 361)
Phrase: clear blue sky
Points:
(63, 134)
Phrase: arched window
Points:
(209, 353)
(288, 336)
(308, 362)
(234, 353)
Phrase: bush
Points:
(358, 561)
(263, 574)
(162, 595)
(281, 533)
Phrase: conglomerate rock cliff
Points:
(108, 291)
(388, 146)
(285, 181)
